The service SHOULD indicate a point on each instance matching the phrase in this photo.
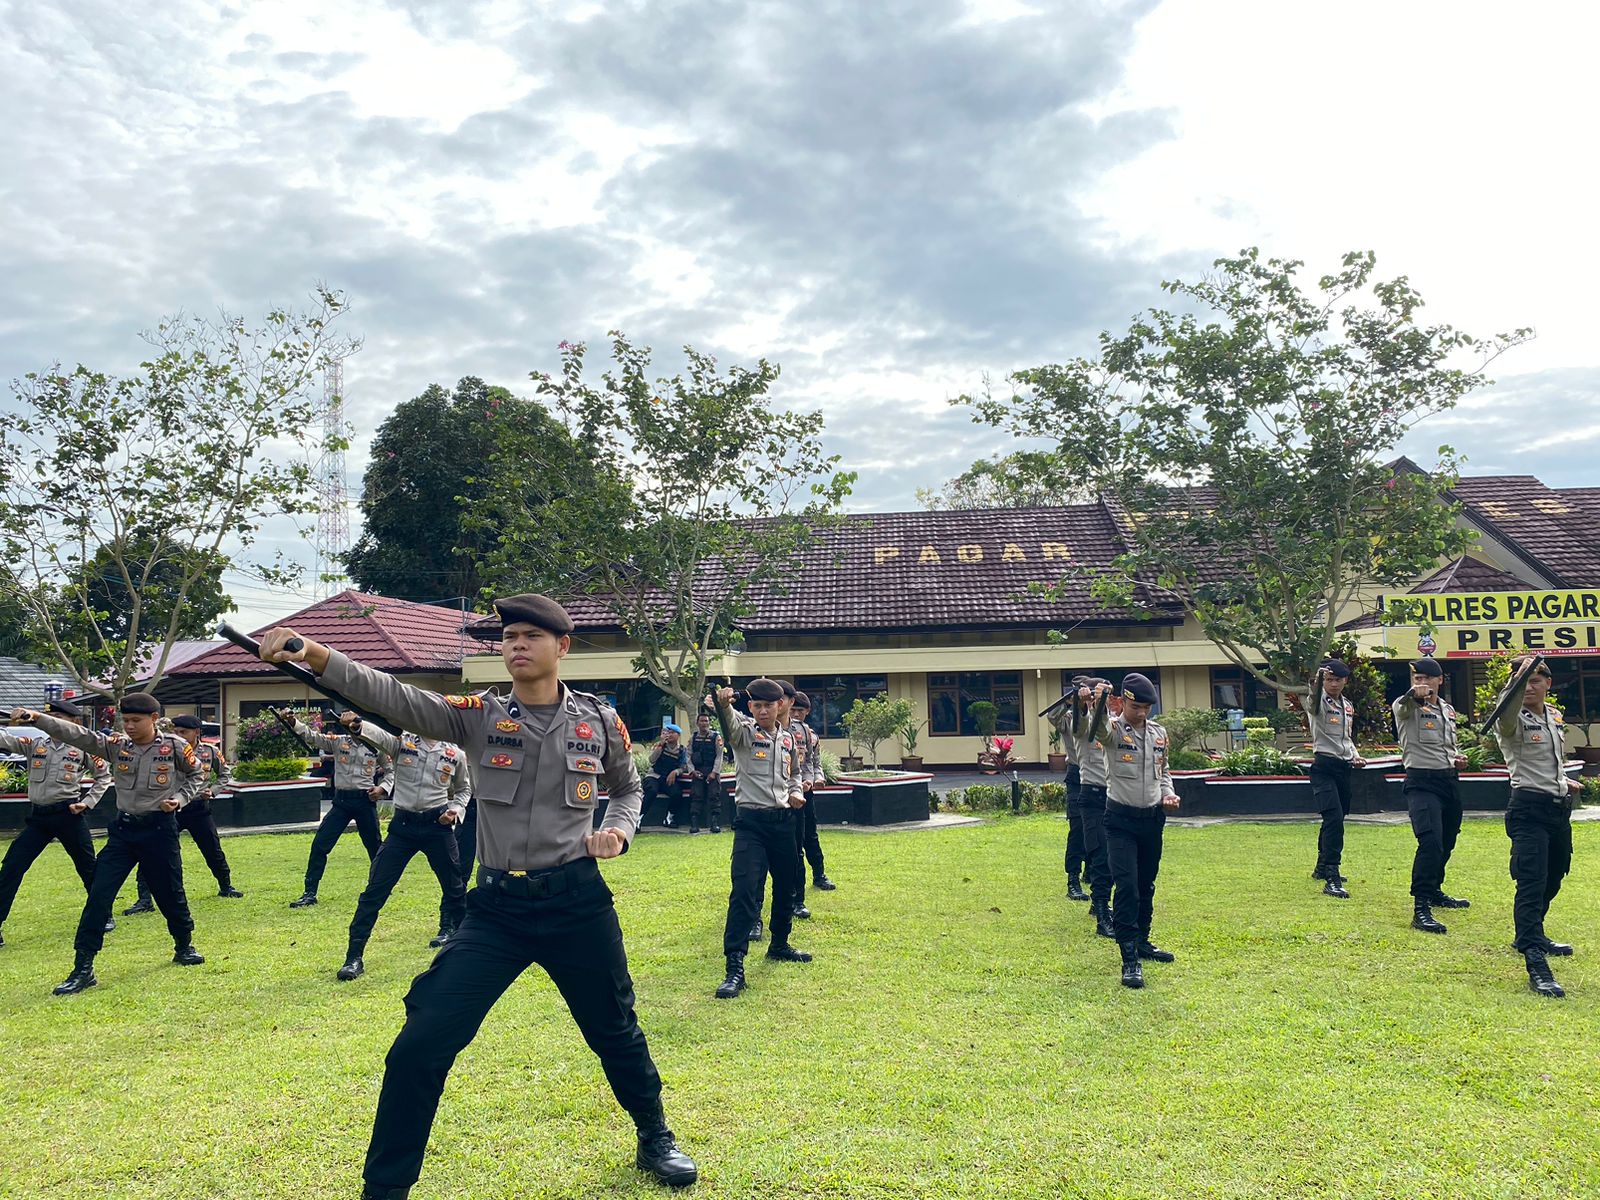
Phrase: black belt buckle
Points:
(540, 885)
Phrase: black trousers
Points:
(411, 834)
(466, 835)
(1435, 810)
(151, 843)
(1133, 850)
(763, 842)
(798, 816)
(662, 802)
(705, 803)
(1074, 821)
(813, 844)
(575, 937)
(1330, 789)
(197, 818)
(1540, 829)
(1092, 807)
(349, 804)
(39, 830)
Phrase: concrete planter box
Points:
(900, 797)
(1191, 788)
(834, 803)
(251, 805)
(1248, 796)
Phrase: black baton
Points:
(1515, 688)
(304, 676)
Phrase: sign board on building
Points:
(1480, 624)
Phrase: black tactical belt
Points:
(351, 794)
(1430, 773)
(761, 810)
(1329, 760)
(143, 820)
(1534, 796)
(53, 810)
(1096, 787)
(537, 885)
(407, 816)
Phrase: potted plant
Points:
(873, 721)
(1058, 757)
(997, 757)
(985, 716)
(909, 732)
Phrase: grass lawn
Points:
(961, 1033)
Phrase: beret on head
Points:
(1338, 668)
(187, 722)
(140, 702)
(1427, 666)
(788, 688)
(801, 700)
(65, 707)
(1522, 660)
(1138, 689)
(764, 689)
(670, 727)
(535, 610)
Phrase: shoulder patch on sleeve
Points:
(622, 730)
(464, 701)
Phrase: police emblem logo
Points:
(508, 726)
(164, 750)
(161, 781)
(586, 764)
(1127, 758)
(464, 701)
(122, 766)
(584, 790)
(449, 751)
(761, 753)
(500, 760)
(583, 730)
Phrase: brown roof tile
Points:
(1553, 529)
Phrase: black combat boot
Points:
(783, 952)
(1335, 887)
(1540, 978)
(802, 913)
(353, 967)
(187, 956)
(371, 1191)
(756, 930)
(1075, 889)
(1132, 972)
(307, 899)
(1558, 949)
(658, 1153)
(1102, 921)
(1422, 918)
(823, 884)
(111, 923)
(81, 979)
(446, 932)
(1440, 900)
(1146, 949)
(142, 905)
(734, 983)
(227, 891)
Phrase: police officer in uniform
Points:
(1075, 832)
(431, 788)
(1333, 757)
(1532, 738)
(1427, 727)
(763, 830)
(196, 816)
(360, 779)
(155, 774)
(800, 734)
(705, 790)
(538, 758)
(1139, 795)
(1088, 713)
(669, 763)
(58, 804)
(806, 816)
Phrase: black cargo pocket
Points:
(499, 773)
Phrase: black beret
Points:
(535, 610)
(1338, 668)
(764, 689)
(801, 700)
(65, 707)
(1427, 666)
(1137, 688)
(140, 702)
(788, 689)
(187, 722)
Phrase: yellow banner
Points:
(1483, 641)
(1491, 608)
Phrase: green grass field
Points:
(961, 1033)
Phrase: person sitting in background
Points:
(669, 768)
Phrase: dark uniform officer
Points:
(360, 775)
(1427, 728)
(1532, 738)
(155, 774)
(800, 735)
(705, 789)
(1333, 757)
(1138, 796)
(58, 775)
(763, 830)
(537, 759)
(1075, 831)
(1087, 714)
(431, 789)
(811, 777)
(196, 816)
(669, 764)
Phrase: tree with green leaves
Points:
(122, 499)
(689, 499)
(1021, 479)
(425, 529)
(1246, 443)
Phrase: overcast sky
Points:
(890, 199)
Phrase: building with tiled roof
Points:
(27, 685)
(422, 643)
